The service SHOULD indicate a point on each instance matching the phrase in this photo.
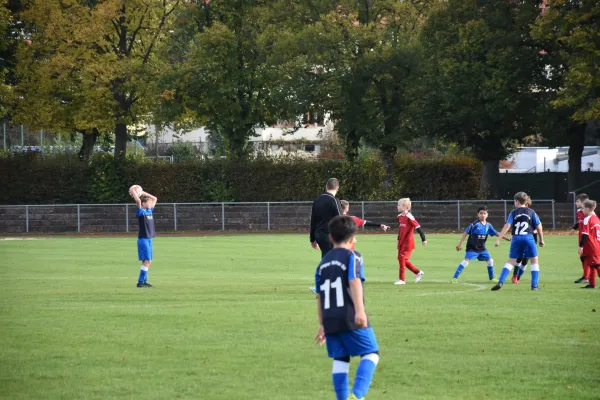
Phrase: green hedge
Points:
(30, 179)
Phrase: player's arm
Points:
(383, 227)
(320, 337)
(539, 229)
(502, 233)
(422, 235)
(576, 226)
(136, 198)
(356, 292)
(462, 239)
(313, 224)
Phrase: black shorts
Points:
(325, 245)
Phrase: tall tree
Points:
(482, 81)
(570, 35)
(92, 64)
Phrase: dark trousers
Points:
(325, 245)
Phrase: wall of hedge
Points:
(31, 179)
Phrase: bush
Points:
(28, 178)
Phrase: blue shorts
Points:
(525, 247)
(482, 256)
(144, 249)
(352, 343)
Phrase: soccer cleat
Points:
(419, 276)
(588, 287)
(535, 288)
(144, 285)
(399, 282)
(453, 280)
(581, 280)
(515, 279)
(313, 289)
(353, 397)
(494, 280)
(498, 286)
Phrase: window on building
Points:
(309, 147)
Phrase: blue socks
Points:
(535, 275)
(340, 379)
(460, 269)
(505, 271)
(364, 374)
(490, 271)
(143, 275)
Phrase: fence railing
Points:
(243, 216)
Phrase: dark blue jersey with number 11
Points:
(332, 278)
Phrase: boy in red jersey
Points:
(579, 200)
(359, 221)
(407, 225)
(589, 246)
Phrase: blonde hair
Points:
(344, 204)
(406, 202)
(589, 204)
(521, 198)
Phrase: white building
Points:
(544, 159)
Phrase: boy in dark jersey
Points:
(523, 221)
(144, 206)
(343, 323)
(477, 233)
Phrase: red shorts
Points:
(591, 261)
(404, 254)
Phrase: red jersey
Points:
(359, 222)
(580, 218)
(406, 231)
(591, 228)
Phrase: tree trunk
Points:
(87, 147)
(351, 145)
(490, 177)
(576, 143)
(120, 140)
(387, 156)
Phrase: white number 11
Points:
(339, 295)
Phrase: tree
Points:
(10, 31)
(482, 80)
(92, 65)
(571, 42)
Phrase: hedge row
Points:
(27, 179)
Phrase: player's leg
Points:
(516, 269)
(341, 365)
(463, 264)
(593, 265)
(532, 255)
(419, 274)
(516, 251)
(362, 342)
(586, 271)
(486, 256)
(401, 269)
(145, 256)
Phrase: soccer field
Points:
(231, 317)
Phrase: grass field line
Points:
(477, 288)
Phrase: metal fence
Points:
(433, 215)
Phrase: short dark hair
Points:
(521, 198)
(582, 197)
(481, 208)
(341, 229)
(332, 183)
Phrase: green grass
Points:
(231, 318)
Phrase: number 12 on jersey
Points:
(339, 295)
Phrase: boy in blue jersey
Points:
(478, 233)
(523, 221)
(343, 323)
(145, 204)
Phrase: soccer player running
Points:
(523, 221)
(359, 221)
(521, 266)
(324, 208)
(343, 323)
(589, 246)
(579, 202)
(407, 225)
(478, 232)
(144, 206)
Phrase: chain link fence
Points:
(263, 216)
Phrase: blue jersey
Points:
(523, 221)
(146, 221)
(478, 234)
(332, 279)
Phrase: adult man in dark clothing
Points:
(324, 208)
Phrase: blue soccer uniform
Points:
(523, 222)
(345, 339)
(144, 242)
(478, 235)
